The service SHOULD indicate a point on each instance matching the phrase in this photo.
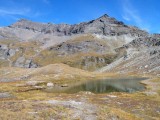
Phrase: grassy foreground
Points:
(27, 102)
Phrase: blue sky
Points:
(142, 13)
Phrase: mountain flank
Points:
(103, 44)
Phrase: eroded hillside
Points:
(142, 56)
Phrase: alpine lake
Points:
(129, 85)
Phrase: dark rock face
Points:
(25, 63)
(68, 48)
(148, 41)
(3, 51)
(6, 52)
(104, 25)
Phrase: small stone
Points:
(64, 85)
(88, 93)
(146, 66)
(33, 83)
(158, 75)
(20, 85)
(149, 93)
(32, 112)
(50, 84)
(12, 52)
(39, 87)
(112, 96)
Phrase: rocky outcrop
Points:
(5, 95)
(25, 63)
(142, 56)
(11, 55)
(6, 52)
(149, 41)
(85, 46)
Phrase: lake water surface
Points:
(129, 85)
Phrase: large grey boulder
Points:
(26, 63)
(5, 95)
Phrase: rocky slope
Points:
(142, 56)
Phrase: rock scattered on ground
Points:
(5, 95)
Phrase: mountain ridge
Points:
(104, 25)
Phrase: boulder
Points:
(50, 84)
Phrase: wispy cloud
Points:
(130, 13)
(15, 14)
(23, 11)
(125, 17)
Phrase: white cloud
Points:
(125, 17)
(132, 14)
(23, 12)
(15, 13)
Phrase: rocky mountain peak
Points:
(109, 20)
(104, 25)
(104, 16)
(28, 25)
(22, 20)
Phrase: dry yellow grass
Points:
(75, 60)
(29, 102)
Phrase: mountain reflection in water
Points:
(129, 85)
